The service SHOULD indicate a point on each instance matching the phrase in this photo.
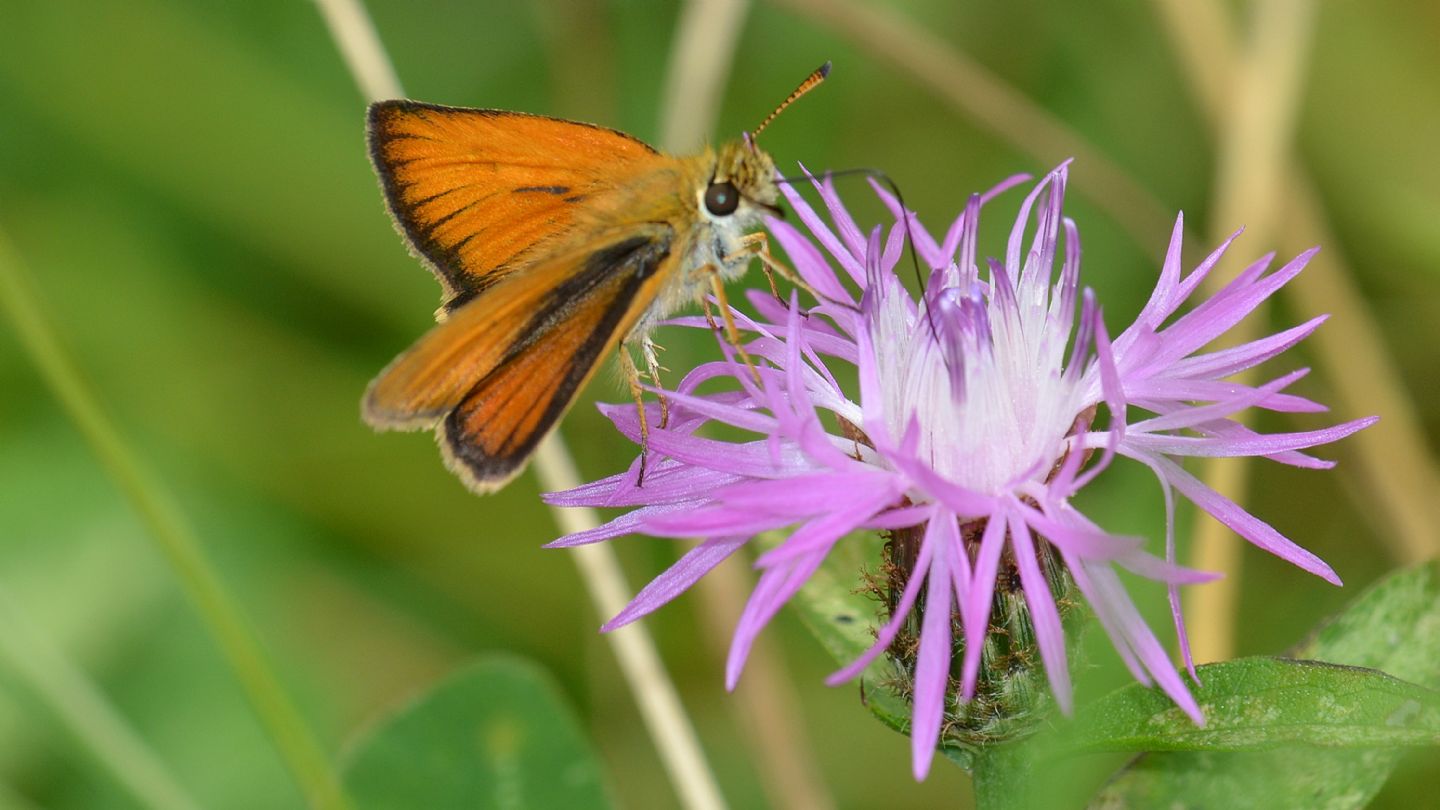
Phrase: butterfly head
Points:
(742, 185)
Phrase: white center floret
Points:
(994, 404)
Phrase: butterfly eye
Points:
(721, 199)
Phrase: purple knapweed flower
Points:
(977, 418)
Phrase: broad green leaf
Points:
(843, 620)
(1302, 779)
(496, 734)
(1395, 627)
(1261, 703)
(840, 617)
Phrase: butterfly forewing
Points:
(481, 193)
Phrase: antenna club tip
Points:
(806, 86)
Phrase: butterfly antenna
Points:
(806, 86)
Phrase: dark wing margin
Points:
(380, 133)
(489, 436)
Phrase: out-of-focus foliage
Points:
(495, 734)
(188, 185)
(1393, 626)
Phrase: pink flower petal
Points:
(676, 579)
(979, 598)
(1255, 445)
(775, 587)
(1049, 633)
(1226, 362)
(932, 665)
(628, 523)
(887, 633)
(807, 261)
(1243, 523)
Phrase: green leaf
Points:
(495, 734)
(1255, 704)
(1395, 627)
(1302, 779)
(843, 620)
(837, 614)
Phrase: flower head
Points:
(981, 410)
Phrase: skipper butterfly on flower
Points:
(556, 242)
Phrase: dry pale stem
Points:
(169, 527)
(973, 90)
(1253, 146)
(700, 58)
(769, 706)
(659, 702)
(1396, 468)
(651, 686)
(354, 33)
(31, 661)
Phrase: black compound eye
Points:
(721, 199)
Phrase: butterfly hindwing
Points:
(489, 435)
(481, 193)
(497, 374)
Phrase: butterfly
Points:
(556, 242)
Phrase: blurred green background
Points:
(188, 187)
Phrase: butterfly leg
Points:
(732, 332)
(763, 253)
(758, 243)
(648, 349)
(632, 376)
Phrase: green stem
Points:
(85, 713)
(1004, 778)
(170, 530)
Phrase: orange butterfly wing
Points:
(503, 369)
(479, 194)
